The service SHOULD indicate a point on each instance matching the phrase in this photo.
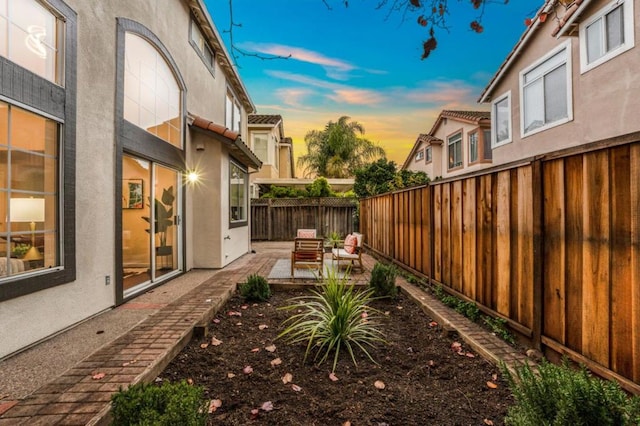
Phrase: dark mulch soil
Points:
(426, 382)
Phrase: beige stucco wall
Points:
(448, 127)
(30, 318)
(606, 99)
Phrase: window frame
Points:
(419, 155)
(481, 146)
(60, 106)
(475, 133)
(211, 66)
(232, 99)
(628, 34)
(253, 145)
(244, 221)
(566, 46)
(494, 122)
(428, 158)
(460, 164)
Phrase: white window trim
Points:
(629, 39)
(494, 122)
(564, 46)
(428, 160)
(420, 155)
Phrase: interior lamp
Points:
(29, 210)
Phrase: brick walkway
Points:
(78, 397)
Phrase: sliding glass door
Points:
(151, 243)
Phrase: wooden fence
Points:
(277, 219)
(551, 244)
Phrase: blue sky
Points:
(365, 63)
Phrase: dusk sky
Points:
(365, 63)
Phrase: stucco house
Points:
(570, 80)
(273, 148)
(458, 142)
(123, 163)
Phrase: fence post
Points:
(269, 221)
(538, 190)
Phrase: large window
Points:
(152, 96)
(420, 155)
(260, 147)
(30, 37)
(608, 33)
(28, 191)
(479, 144)
(233, 119)
(454, 143)
(473, 147)
(201, 45)
(237, 194)
(501, 120)
(428, 154)
(546, 92)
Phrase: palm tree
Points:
(338, 150)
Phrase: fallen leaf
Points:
(469, 355)
(287, 378)
(399, 307)
(230, 375)
(190, 380)
(247, 370)
(254, 305)
(216, 320)
(214, 405)
(488, 422)
(260, 315)
(494, 377)
(204, 345)
(275, 362)
(347, 423)
(262, 326)
(215, 342)
(492, 385)
(270, 348)
(364, 315)
(431, 363)
(234, 314)
(98, 376)
(267, 406)
(244, 307)
(296, 388)
(333, 377)
(238, 324)
(130, 362)
(456, 347)
(254, 413)
(255, 350)
(387, 313)
(433, 324)
(379, 384)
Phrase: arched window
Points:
(152, 96)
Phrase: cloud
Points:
(356, 96)
(444, 93)
(292, 96)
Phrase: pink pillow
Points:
(350, 243)
(306, 234)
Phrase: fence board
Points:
(427, 236)
(455, 281)
(554, 272)
(437, 232)
(485, 261)
(595, 277)
(525, 254)
(503, 242)
(634, 189)
(469, 238)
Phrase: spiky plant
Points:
(333, 318)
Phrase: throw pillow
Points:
(307, 234)
(350, 243)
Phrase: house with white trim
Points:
(122, 156)
(570, 80)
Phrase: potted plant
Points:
(163, 220)
(333, 239)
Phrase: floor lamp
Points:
(29, 210)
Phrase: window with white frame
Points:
(427, 154)
(501, 120)
(606, 34)
(454, 143)
(545, 92)
(201, 45)
(237, 194)
(473, 147)
(31, 36)
(420, 155)
(232, 113)
(260, 147)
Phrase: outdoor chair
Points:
(351, 252)
(306, 233)
(307, 253)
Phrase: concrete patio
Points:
(53, 382)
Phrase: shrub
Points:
(383, 280)
(468, 309)
(256, 288)
(169, 404)
(333, 318)
(559, 395)
(499, 327)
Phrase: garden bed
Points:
(423, 376)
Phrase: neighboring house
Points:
(268, 142)
(570, 80)
(104, 107)
(459, 142)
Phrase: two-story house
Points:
(268, 142)
(121, 160)
(458, 142)
(570, 80)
